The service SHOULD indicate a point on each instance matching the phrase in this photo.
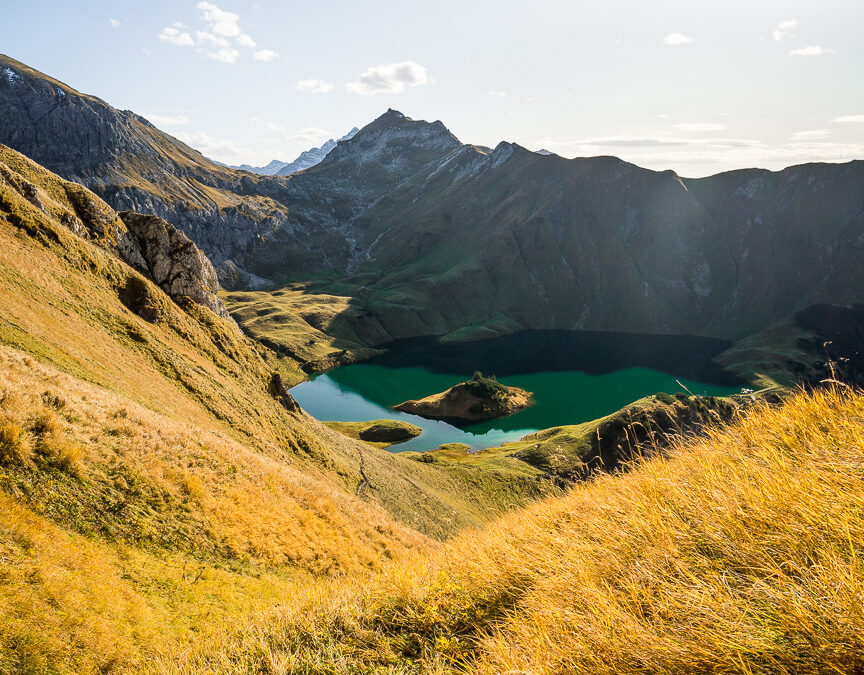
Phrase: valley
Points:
(203, 470)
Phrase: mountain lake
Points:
(597, 374)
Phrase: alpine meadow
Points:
(293, 382)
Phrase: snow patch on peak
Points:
(11, 76)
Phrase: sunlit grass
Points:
(742, 552)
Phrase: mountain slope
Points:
(144, 442)
(427, 236)
(132, 164)
(598, 244)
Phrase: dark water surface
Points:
(575, 377)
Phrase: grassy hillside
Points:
(742, 552)
(152, 488)
(299, 328)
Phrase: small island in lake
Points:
(480, 398)
(382, 433)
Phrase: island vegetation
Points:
(480, 398)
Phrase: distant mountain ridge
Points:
(305, 159)
(430, 236)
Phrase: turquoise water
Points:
(366, 391)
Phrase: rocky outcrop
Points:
(174, 262)
(75, 207)
(277, 390)
(150, 245)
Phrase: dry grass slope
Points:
(123, 530)
(741, 553)
(151, 489)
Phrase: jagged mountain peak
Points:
(393, 120)
(394, 140)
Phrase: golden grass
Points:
(73, 604)
(741, 553)
(59, 301)
(123, 531)
(105, 466)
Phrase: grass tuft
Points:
(14, 444)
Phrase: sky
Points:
(698, 87)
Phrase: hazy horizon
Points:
(665, 85)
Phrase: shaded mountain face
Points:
(434, 237)
(133, 165)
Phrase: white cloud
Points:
(596, 144)
(266, 55)
(219, 37)
(114, 23)
(220, 22)
(811, 135)
(275, 127)
(389, 78)
(784, 30)
(225, 55)
(700, 156)
(217, 148)
(175, 37)
(315, 86)
(677, 39)
(700, 126)
(845, 119)
(811, 51)
(499, 92)
(167, 120)
(204, 37)
(310, 135)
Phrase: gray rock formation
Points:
(174, 262)
(150, 245)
